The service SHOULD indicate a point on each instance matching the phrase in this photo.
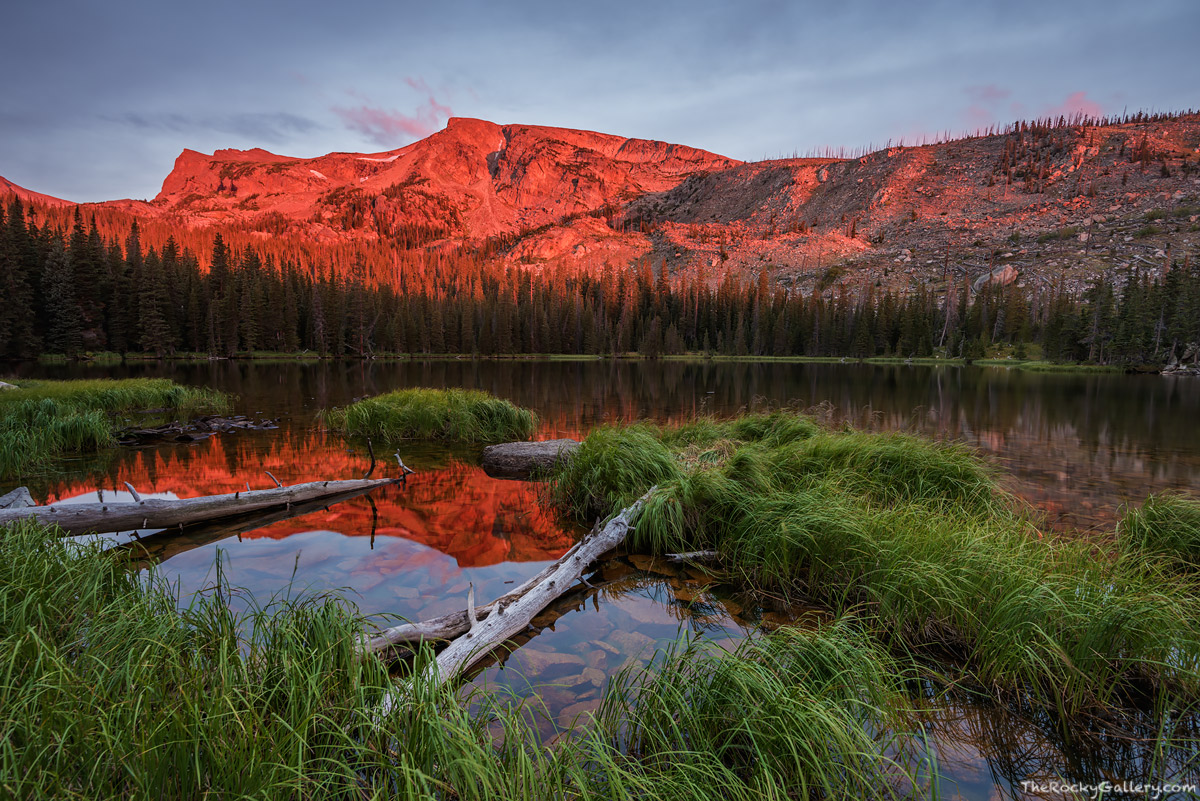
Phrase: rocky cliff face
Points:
(472, 180)
(1049, 202)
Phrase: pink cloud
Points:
(1076, 103)
(386, 126)
(986, 101)
(989, 94)
(978, 117)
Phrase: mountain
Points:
(8, 188)
(469, 182)
(1051, 200)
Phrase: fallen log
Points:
(80, 518)
(511, 615)
(160, 546)
(526, 459)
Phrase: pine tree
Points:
(18, 255)
(153, 333)
(64, 330)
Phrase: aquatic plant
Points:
(45, 419)
(451, 414)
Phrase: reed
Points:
(449, 414)
(45, 419)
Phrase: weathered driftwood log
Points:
(79, 518)
(510, 615)
(523, 459)
(452, 624)
(159, 546)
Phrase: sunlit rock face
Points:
(472, 180)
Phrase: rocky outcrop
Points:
(526, 459)
(1189, 364)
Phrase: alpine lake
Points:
(1077, 447)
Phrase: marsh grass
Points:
(916, 536)
(798, 714)
(1166, 526)
(44, 419)
(110, 689)
(450, 414)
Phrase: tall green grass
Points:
(452, 414)
(44, 419)
(1167, 526)
(914, 534)
(799, 714)
(108, 689)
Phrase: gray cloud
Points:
(267, 127)
(124, 86)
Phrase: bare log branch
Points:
(17, 499)
(371, 452)
(78, 518)
(506, 619)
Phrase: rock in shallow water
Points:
(525, 459)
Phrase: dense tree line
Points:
(74, 291)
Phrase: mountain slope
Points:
(8, 188)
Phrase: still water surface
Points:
(1076, 446)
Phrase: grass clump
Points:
(109, 689)
(44, 419)
(795, 715)
(916, 535)
(1166, 525)
(451, 414)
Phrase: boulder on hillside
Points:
(524, 459)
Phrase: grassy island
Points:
(40, 420)
(462, 415)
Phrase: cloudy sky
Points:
(99, 98)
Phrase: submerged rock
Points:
(524, 459)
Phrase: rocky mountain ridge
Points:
(1053, 200)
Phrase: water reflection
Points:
(1078, 445)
